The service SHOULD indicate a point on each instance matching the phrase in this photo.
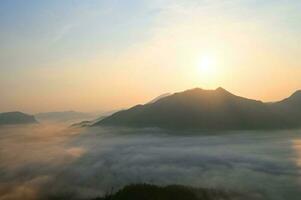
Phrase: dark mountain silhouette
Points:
(171, 192)
(10, 118)
(210, 109)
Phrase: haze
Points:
(104, 55)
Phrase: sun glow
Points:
(207, 66)
(208, 71)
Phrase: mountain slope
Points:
(206, 109)
(10, 118)
(290, 108)
(159, 97)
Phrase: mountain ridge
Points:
(209, 109)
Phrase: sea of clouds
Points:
(55, 162)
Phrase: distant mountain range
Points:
(11, 118)
(64, 116)
(211, 110)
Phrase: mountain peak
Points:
(198, 92)
(220, 89)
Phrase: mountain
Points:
(173, 192)
(290, 108)
(87, 123)
(159, 97)
(210, 109)
(63, 116)
(11, 118)
(292, 102)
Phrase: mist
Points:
(55, 162)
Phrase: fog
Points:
(51, 161)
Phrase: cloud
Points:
(88, 163)
(75, 151)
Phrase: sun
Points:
(208, 72)
(207, 66)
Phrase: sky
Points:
(98, 55)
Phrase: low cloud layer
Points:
(39, 162)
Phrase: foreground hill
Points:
(10, 118)
(173, 192)
(210, 109)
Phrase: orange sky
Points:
(251, 50)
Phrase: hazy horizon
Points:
(106, 55)
(138, 103)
